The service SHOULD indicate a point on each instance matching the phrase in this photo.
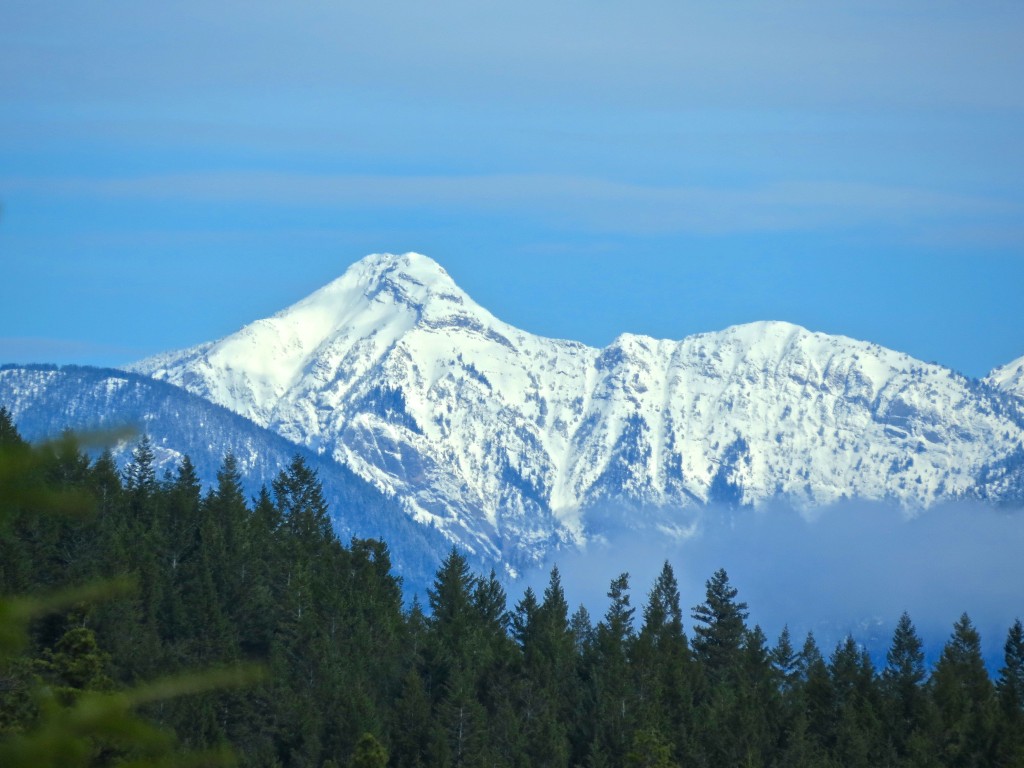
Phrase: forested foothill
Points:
(158, 579)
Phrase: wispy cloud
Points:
(603, 205)
(934, 54)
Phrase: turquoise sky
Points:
(171, 171)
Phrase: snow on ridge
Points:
(506, 440)
(1009, 377)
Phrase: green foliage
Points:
(649, 750)
(720, 628)
(963, 697)
(115, 581)
(369, 753)
(58, 706)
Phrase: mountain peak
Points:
(409, 266)
(407, 281)
(1009, 377)
(511, 443)
(413, 271)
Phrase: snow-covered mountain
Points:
(1009, 377)
(513, 444)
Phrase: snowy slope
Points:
(512, 444)
(1009, 377)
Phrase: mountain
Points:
(1009, 378)
(514, 445)
(45, 400)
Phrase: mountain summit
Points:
(513, 444)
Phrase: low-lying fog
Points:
(852, 568)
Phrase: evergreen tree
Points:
(857, 730)
(455, 660)
(547, 691)
(903, 687)
(369, 753)
(963, 696)
(650, 750)
(415, 739)
(662, 665)
(615, 712)
(720, 629)
(1010, 687)
(556, 657)
(451, 622)
(819, 700)
(140, 472)
(785, 661)
(299, 498)
(9, 435)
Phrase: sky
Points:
(170, 172)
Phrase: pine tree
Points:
(456, 658)
(451, 621)
(415, 738)
(650, 750)
(857, 729)
(720, 629)
(299, 498)
(140, 472)
(1010, 688)
(790, 668)
(547, 690)
(615, 715)
(818, 697)
(662, 664)
(903, 687)
(369, 753)
(785, 661)
(9, 435)
(963, 697)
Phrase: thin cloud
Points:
(921, 54)
(603, 205)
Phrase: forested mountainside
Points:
(46, 400)
(354, 677)
(514, 444)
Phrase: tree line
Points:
(353, 676)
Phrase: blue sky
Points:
(169, 172)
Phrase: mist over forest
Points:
(851, 568)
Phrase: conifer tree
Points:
(451, 621)
(369, 753)
(903, 687)
(140, 472)
(547, 689)
(9, 435)
(963, 693)
(785, 661)
(720, 628)
(662, 664)
(615, 711)
(299, 498)
(1010, 688)
(818, 697)
(455, 660)
(857, 740)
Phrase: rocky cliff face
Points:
(512, 444)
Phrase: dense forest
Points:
(186, 581)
